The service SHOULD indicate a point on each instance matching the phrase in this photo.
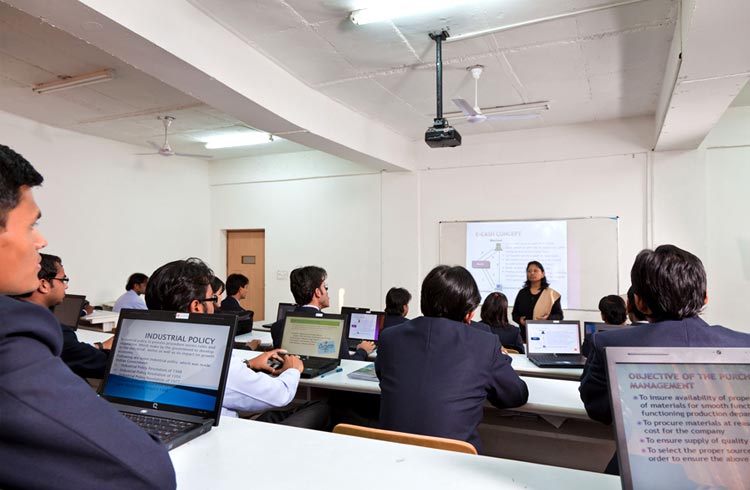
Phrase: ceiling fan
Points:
(165, 150)
(504, 113)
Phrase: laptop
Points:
(364, 326)
(316, 339)
(167, 371)
(589, 328)
(281, 312)
(69, 311)
(554, 343)
(348, 310)
(682, 416)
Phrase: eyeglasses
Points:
(64, 280)
(212, 299)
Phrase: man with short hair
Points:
(612, 309)
(310, 291)
(237, 286)
(436, 371)
(83, 359)
(135, 287)
(54, 430)
(396, 306)
(634, 315)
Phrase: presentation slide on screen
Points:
(363, 326)
(175, 364)
(553, 339)
(315, 337)
(688, 424)
(497, 254)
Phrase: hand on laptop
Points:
(367, 345)
(291, 362)
(263, 362)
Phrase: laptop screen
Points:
(365, 326)
(69, 311)
(284, 308)
(682, 414)
(175, 360)
(313, 336)
(553, 337)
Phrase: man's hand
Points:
(260, 363)
(522, 321)
(108, 344)
(253, 344)
(291, 362)
(367, 346)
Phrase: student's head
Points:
(308, 285)
(237, 285)
(137, 282)
(668, 283)
(495, 310)
(397, 301)
(19, 238)
(449, 292)
(535, 273)
(51, 285)
(218, 286)
(182, 285)
(613, 309)
(634, 314)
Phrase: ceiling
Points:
(592, 66)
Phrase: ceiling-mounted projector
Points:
(441, 134)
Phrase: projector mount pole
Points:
(439, 38)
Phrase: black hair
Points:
(47, 271)
(612, 308)
(544, 284)
(136, 278)
(670, 281)
(303, 282)
(632, 308)
(449, 292)
(217, 285)
(395, 300)
(15, 172)
(235, 282)
(495, 310)
(175, 285)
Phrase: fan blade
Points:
(193, 155)
(512, 117)
(154, 145)
(145, 153)
(465, 107)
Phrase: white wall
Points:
(108, 213)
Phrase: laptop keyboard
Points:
(164, 429)
(316, 362)
(551, 358)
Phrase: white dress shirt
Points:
(252, 391)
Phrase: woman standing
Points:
(495, 314)
(536, 301)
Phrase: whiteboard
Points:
(580, 255)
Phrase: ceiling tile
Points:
(642, 50)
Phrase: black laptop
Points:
(364, 326)
(316, 339)
(554, 343)
(281, 312)
(348, 310)
(167, 371)
(69, 311)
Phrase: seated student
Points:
(237, 286)
(495, 314)
(634, 314)
(436, 372)
(309, 288)
(396, 306)
(185, 286)
(135, 287)
(83, 359)
(669, 286)
(54, 430)
(612, 309)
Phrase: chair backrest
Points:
(405, 438)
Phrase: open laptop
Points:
(167, 371)
(317, 339)
(682, 416)
(554, 343)
(69, 311)
(364, 326)
(348, 310)
(281, 312)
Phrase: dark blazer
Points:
(83, 359)
(435, 375)
(54, 430)
(277, 333)
(391, 320)
(230, 306)
(510, 337)
(690, 332)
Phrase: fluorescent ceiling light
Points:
(391, 9)
(72, 82)
(232, 140)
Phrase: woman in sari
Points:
(536, 301)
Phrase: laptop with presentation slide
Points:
(364, 326)
(69, 311)
(682, 416)
(281, 312)
(167, 371)
(591, 327)
(317, 340)
(554, 343)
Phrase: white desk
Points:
(264, 337)
(91, 336)
(258, 326)
(236, 454)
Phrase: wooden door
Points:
(246, 254)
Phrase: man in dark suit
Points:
(669, 287)
(436, 371)
(309, 288)
(237, 285)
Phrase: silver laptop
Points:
(682, 416)
(318, 340)
(554, 343)
(167, 371)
